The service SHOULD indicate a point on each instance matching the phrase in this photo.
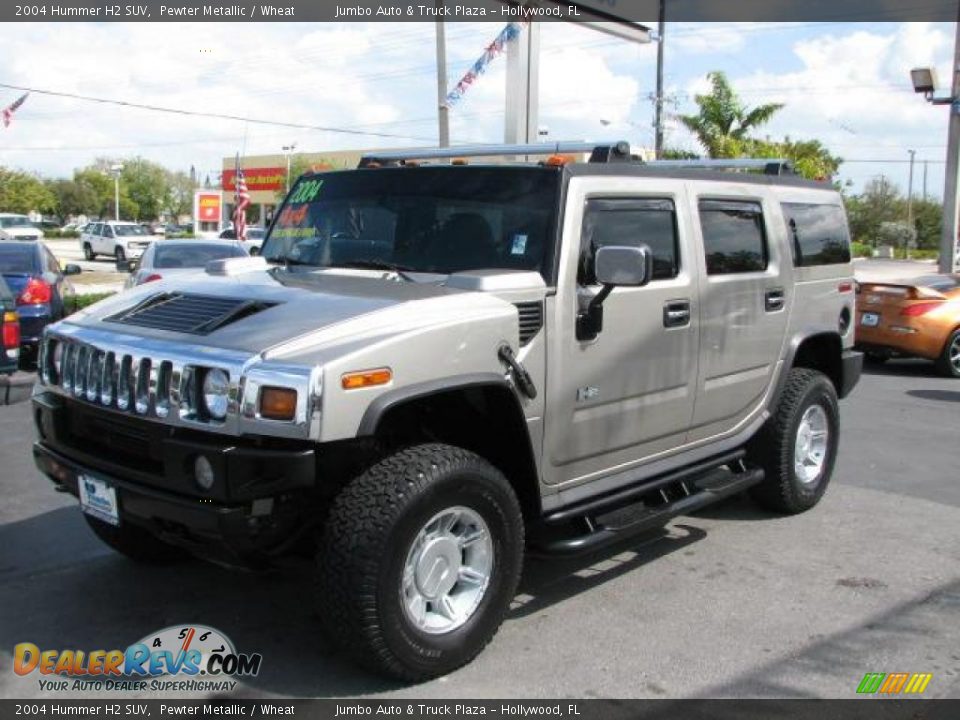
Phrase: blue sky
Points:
(846, 84)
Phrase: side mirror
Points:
(613, 265)
(619, 265)
(72, 269)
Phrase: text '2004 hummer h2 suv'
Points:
(433, 367)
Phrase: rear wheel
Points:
(797, 447)
(419, 561)
(88, 253)
(136, 543)
(949, 360)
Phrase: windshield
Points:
(124, 230)
(428, 219)
(188, 256)
(15, 222)
(18, 259)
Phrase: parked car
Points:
(254, 240)
(170, 258)
(9, 330)
(120, 240)
(918, 318)
(38, 286)
(18, 227)
(429, 369)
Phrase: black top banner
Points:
(498, 11)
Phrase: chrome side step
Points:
(658, 504)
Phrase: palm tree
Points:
(723, 121)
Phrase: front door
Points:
(628, 394)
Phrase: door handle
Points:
(774, 300)
(676, 314)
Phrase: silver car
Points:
(174, 258)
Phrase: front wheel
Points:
(88, 253)
(120, 255)
(949, 361)
(797, 447)
(419, 561)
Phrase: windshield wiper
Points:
(288, 262)
(377, 264)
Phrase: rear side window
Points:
(18, 258)
(630, 222)
(817, 234)
(733, 237)
(5, 295)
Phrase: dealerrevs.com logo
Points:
(178, 658)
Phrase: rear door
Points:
(745, 298)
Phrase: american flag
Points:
(242, 201)
(11, 109)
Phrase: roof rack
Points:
(599, 152)
(769, 166)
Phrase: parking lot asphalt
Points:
(732, 602)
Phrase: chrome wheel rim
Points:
(447, 571)
(954, 354)
(810, 448)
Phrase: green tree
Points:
(21, 192)
(101, 185)
(179, 199)
(809, 157)
(148, 185)
(879, 202)
(722, 121)
(928, 220)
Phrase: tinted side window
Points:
(631, 223)
(733, 237)
(817, 233)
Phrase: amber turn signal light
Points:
(278, 403)
(366, 378)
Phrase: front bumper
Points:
(259, 503)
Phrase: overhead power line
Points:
(218, 116)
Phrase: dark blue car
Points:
(9, 330)
(38, 286)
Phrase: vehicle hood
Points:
(303, 309)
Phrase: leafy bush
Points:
(917, 254)
(78, 302)
(859, 249)
(55, 233)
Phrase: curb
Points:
(15, 388)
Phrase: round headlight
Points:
(216, 385)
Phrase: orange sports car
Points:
(919, 317)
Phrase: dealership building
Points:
(266, 180)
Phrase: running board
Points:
(653, 510)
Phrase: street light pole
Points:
(443, 112)
(115, 170)
(948, 241)
(287, 150)
(658, 109)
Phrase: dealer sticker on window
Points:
(98, 499)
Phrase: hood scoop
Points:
(188, 312)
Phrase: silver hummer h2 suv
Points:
(433, 366)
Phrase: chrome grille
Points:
(139, 385)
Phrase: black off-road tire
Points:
(136, 543)
(773, 447)
(88, 253)
(875, 358)
(368, 533)
(120, 255)
(946, 363)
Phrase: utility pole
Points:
(658, 109)
(443, 116)
(924, 180)
(288, 150)
(948, 241)
(906, 242)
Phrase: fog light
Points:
(203, 473)
(278, 403)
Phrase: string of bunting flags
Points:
(510, 33)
